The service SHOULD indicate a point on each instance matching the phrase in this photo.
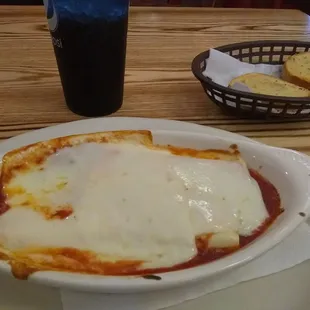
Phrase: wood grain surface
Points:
(161, 45)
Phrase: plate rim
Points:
(105, 124)
(33, 136)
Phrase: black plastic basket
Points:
(251, 105)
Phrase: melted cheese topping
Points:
(130, 202)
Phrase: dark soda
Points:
(90, 53)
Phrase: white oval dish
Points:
(287, 170)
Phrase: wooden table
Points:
(161, 45)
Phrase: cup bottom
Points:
(93, 112)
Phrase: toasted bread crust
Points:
(291, 76)
(269, 85)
